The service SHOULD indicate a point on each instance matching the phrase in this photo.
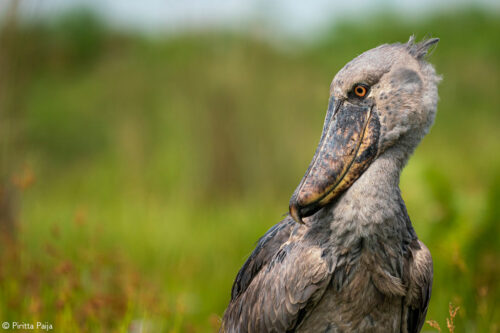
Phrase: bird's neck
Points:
(372, 207)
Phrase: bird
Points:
(346, 257)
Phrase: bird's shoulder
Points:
(282, 279)
(267, 246)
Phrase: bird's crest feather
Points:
(421, 49)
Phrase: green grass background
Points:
(145, 169)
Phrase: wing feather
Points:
(279, 283)
(420, 286)
(267, 247)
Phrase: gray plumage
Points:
(355, 264)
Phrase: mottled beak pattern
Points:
(348, 145)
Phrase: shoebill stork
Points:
(347, 258)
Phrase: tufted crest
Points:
(420, 50)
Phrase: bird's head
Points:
(383, 98)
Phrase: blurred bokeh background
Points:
(146, 146)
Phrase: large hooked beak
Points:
(348, 145)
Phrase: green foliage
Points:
(158, 164)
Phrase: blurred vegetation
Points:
(141, 171)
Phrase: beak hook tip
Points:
(294, 213)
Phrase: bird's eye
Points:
(360, 90)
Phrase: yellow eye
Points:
(360, 90)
